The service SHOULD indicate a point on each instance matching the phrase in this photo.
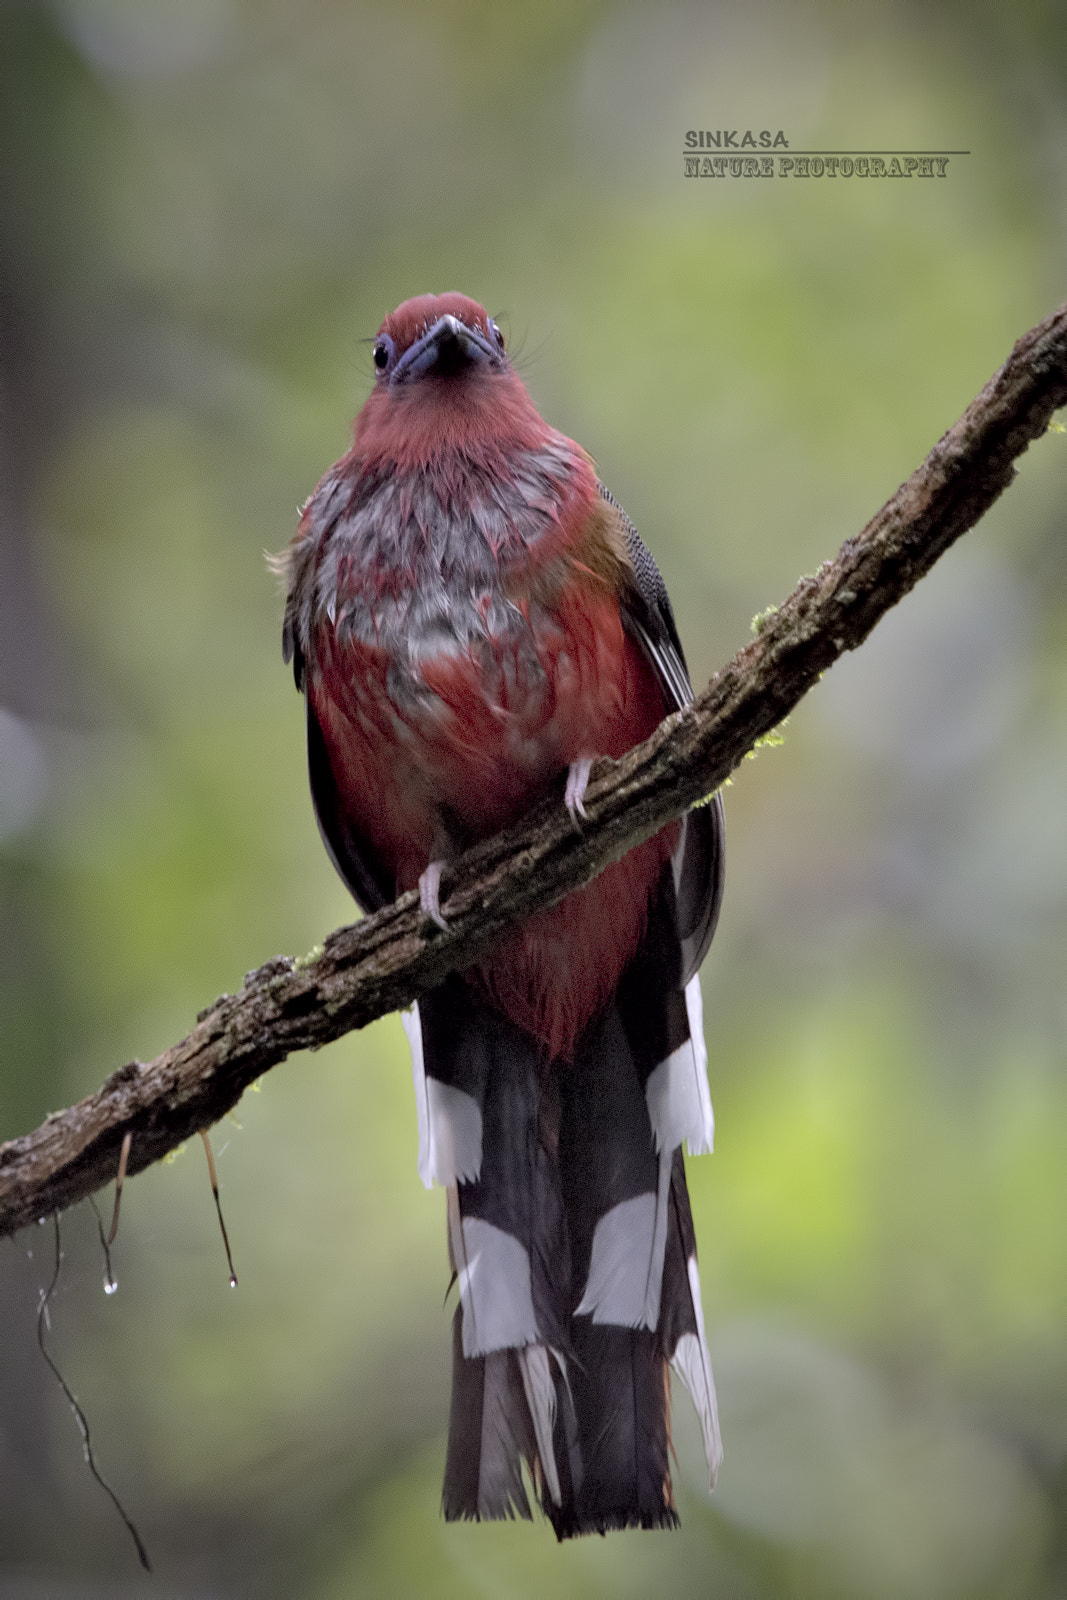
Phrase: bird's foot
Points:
(574, 796)
(430, 894)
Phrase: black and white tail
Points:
(571, 1237)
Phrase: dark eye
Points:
(383, 352)
(498, 337)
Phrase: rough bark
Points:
(388, 960)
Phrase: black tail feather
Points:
(490, 1436)
(621, 1400)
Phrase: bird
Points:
(473, 620)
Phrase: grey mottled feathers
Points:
(649, 618)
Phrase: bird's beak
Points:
(446, 349)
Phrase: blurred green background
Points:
(205, 207)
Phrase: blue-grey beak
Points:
(445, 350)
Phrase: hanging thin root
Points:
(213, 1175)
(120, 1179)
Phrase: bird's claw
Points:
(430, 894)
(574, 795)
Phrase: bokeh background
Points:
(205, 208)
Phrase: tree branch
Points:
(388, 960)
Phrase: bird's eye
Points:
(498, 337)
(383, 353)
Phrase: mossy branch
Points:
(388, 960)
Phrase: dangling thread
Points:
(213, 1175)
(80, 1417)
(120, 1179)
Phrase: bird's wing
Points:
(648, 617)
(348, 849)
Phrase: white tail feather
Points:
(692, 1363)
(536, 1369)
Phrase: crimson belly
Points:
(461, 747)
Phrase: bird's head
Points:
(443, 383)
(438, 336)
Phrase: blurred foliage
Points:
(205, 209)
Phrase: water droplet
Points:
(110, 1285)
(233, 1280)
(41, 1221)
